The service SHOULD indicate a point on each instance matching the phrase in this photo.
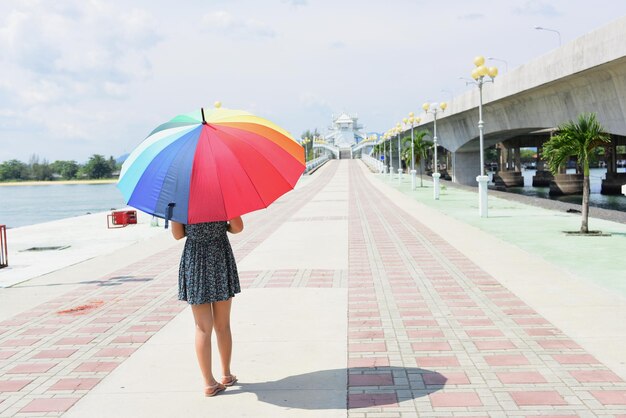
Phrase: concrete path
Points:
(351, 307)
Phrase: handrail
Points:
(313, 164)
(373, 163)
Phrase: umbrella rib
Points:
(280, 174)
(217, 172)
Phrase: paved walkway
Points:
(351, 306)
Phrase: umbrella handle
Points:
(168, 216)
(203, 120)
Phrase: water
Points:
(595, 199)
(28, 205)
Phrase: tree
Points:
(576, 138)
(97, 167)
(13, 170)
(66, 169)
(420, 147)
(39, 171)
(309, 146)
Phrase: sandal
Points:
(229, 380)
(214, 389)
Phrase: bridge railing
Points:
(373, 163)
(313, 164)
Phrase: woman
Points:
(208, 280)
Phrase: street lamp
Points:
(506, 64)
(413, 120)
(398, 131)
(550, 30)
(478, 74)
(305, 141)
(435, 108)
(389, 135)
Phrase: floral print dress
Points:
(208, 272)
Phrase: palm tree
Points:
(579, 139)
(421, 148)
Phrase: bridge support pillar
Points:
(566, 184)
(466, 166)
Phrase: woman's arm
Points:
(235, 225)
(178, 230)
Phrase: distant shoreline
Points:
(57, 182)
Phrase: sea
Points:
(28, 205)
(595, 182)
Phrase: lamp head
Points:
(475, 74)
(443, 105)
(217, 104)
(426, 106)
(538, 28)
(492, 71)
(418, 119)
(404, 120)
(411, 114)
(482, 70)
(479, 60)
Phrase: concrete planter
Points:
(566, 184)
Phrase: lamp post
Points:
(398, 131)
(478, 74)
(506, 64)
(435, 109)
(304, 142)
(550, 30)
(389, 136)
(413, 120)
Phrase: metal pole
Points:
(436, 174)
(399, 161)
(482, 179)
(412, 159)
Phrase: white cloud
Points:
(237, 27)
(91, 41)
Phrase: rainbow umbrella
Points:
(211, 165)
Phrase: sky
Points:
(83, 77)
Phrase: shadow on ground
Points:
(326, 389)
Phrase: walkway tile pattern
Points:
(431, 334)
(53, 354)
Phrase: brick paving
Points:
(429, 333)
(53, 354)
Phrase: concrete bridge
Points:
(524, 105)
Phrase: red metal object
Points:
(121, 218)
(4, 252)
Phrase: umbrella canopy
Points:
(211, 165)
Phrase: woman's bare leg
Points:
(203, 316)
(221, 325)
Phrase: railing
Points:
(313, 164)
(373, 163)
(4, 255)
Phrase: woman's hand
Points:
(178, 230)
(235, 225)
